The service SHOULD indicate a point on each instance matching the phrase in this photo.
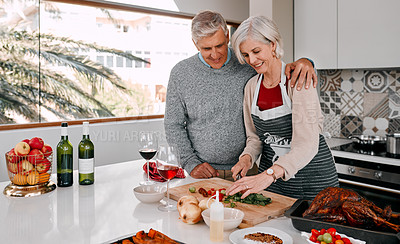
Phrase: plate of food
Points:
(258, 235)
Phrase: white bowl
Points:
(150, 194)
(232, 217)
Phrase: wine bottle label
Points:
(86, 165)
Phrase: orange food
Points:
(19, 179)
(126, 241)
(153, 236)
(33, 178)
(43, 178)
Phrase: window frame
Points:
(113, 6)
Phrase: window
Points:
(110, 61)
(92, 63)
(119, 62)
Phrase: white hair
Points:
(207, 23)
(258, 28)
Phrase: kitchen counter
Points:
(102, 212)
(335, 142)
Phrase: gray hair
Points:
(258, 28)
(206, 23)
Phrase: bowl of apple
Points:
(29, 163)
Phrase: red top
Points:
(269, 98)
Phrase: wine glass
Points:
(168, 164)
(148, 149)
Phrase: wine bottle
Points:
(86, 158)
(64, 159)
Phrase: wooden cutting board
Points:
(253, 214)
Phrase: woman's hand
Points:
(301, 71)
(242, 166)
(250, 184)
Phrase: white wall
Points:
(232, 10)
(114, 142)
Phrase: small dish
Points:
(237, 237)
(149, 193)
(232, 218)
(353, 241)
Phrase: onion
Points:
(189, 210)
(203, 203)
(186, 200)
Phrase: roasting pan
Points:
(295, 213)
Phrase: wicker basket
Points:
(29, 170)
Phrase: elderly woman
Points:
(282, 124)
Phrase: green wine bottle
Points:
(86, 158)
(64, 159)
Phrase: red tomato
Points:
(209, 192)
(315, 232)
(322, 231)
(346, 240)
(332, 231)
(212, 189)
(313, 238)
(338, 237)
(333, 240)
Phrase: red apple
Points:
(12, 156)
(26, 140)
(22, 148)
(35, 156)
(36, 143)
(13, 168)
(43, 166)
(46, 150)
(25, 167)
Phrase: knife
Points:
(238, 176)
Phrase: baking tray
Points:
(120, 239)
(295, 213)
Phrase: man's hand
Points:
(300, 71)
(203, 170)
(242, 166)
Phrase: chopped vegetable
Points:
(253, 198)
(203, 192)
(192, 189)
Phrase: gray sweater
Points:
(204, 112)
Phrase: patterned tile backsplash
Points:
(360, 101)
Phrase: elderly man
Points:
(204, 108)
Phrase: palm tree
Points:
(43, 74)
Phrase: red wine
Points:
(168, 171)
(147, 153)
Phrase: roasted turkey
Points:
(345, 206)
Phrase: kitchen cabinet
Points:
(315, 32)
(348, 33)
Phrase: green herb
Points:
(253, 198)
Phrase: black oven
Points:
(372, 173)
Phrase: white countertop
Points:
(102, 212)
